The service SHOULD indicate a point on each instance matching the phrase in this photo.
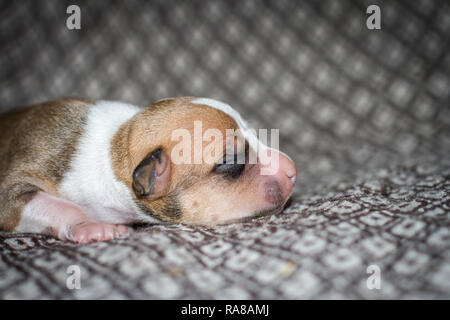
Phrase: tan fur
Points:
(37, 146)
(151, 129)
(28, 162)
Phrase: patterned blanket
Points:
(324, 245)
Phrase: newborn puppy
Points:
(82, 170)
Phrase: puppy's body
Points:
(91, 182)
(80, 169)
(29, 162)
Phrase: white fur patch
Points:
(91, 182)
(226, 108)
(249, 135)
(44, 211)
(35, 217)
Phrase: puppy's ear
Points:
(151, 177)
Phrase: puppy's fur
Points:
(81, 169)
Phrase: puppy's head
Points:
(193, 160)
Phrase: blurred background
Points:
(345, 98)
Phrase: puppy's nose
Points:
(287, 166)
(282, 168)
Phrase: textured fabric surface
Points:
(320, 247)
(365, 114)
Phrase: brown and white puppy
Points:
(82, 170)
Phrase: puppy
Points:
(83, 170)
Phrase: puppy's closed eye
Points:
(230, 169)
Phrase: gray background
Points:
(364, 114)
(344, 97)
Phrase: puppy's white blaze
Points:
(249, 135)
(91, 182)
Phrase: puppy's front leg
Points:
(67, 221)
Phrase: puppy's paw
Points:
(91, 231)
